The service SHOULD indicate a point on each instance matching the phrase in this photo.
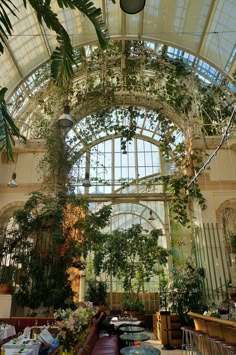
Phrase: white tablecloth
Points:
(28, 344)
(118, 323)
(14, 352)
(7, 331)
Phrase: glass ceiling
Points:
(203, 29)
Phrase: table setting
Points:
(20, 351)
(22, 344)
(6, 331)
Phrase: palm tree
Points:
(62, 59)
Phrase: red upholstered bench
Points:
(20, 323)
(106, 345)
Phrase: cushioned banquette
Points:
(94, 345)
(20, 323)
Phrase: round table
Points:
(131, 337)
(139, 350)
(131, 329)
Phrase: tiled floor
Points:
(156, 344)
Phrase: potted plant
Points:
(184, 293)
(133, 307)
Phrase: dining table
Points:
(22, 343)
(118, 322)
(19, 352)
(131, 338)
(140, 350)
(131, 329)
(6, 331)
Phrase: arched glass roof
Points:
(202, 32)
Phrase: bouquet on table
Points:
(73, 325)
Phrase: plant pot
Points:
(4, 289)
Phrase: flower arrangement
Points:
(73, 325)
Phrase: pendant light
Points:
(151, 217)
(86, 181)
(132, 7)
(13, 182)
(65, 120)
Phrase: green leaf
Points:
(8, 128)
(5, 23)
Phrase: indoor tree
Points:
(51, 234)
(132, 255)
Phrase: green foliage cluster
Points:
(8, 130)
(132, 303)
(184, 292)
(6, 274)
(96, 292)
(131, 255)
(45, 243)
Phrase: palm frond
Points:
(94, 14)
(8, 129)
(62, 60)
(5, 23)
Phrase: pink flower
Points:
(63, 334)
(70, 324)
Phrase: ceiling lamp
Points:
(151, 217)
(86, 181)
(13, 182)
(65, 120)
(132, 7)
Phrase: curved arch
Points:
(227, 203)
(23, 82)
(138, 99)
(95, 142)
(98, 100)
(145, 207)
(7, 211)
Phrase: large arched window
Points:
(112, 171)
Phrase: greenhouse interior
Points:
(118, 165)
